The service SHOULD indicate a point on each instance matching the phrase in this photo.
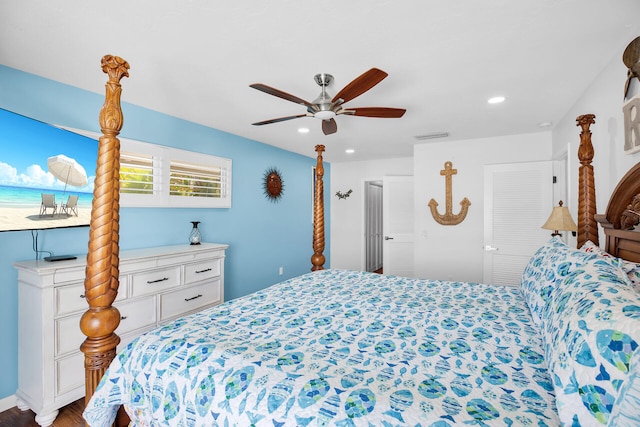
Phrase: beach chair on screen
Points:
(71, 207)
(48, 202)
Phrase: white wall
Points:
(455, 252)
(604, 98)
(439, 254)
(347, 215)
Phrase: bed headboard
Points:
(622, 216)
(623, 210)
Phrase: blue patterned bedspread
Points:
(339, 348)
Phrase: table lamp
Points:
(560, 220)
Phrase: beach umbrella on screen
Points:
(67, 170)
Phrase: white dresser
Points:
(156, 285)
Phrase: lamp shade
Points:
(560, 219)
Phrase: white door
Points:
(397, 224)
(518, 198)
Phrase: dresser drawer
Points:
(186, 300)
(69, 373)
(135, 313)
(72, 274)
(68, 334)
(154, 281)
(70, 298)
(202, 270)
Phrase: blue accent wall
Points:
(262, 235)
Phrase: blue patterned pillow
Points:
(591, 331)
(631, 268)
(548, 265)
(634, 276)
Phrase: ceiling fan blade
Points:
(380, 112)
(280, 94)
(360, 85)
(631, 54)
(329, 126)
(279, 119)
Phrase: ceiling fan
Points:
(326, 108)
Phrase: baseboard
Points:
(7, 402)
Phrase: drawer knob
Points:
(192, 298)
(159, 280)
(82, 296)
(203, 271)
(123, 317)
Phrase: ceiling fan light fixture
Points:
(324, 115)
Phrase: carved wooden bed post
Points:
(317, 259)
(587, 225)
(102, 271)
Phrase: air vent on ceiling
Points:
(432, 135)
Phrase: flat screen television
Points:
(46, 175)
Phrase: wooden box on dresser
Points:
(156, 285)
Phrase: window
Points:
(136, 173)
(156, 176)
(195, 180)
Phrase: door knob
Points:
(490, 248)
(388, 238)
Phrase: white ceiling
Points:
(195, 59)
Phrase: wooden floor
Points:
(69, 416)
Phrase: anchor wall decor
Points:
(449, 218)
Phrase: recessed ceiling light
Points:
(545, 124)
(496, 100)
(303, 130)
(349, 151)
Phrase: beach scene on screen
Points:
(46, 175)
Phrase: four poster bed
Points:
(336, 347)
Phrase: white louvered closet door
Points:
(518, 198)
